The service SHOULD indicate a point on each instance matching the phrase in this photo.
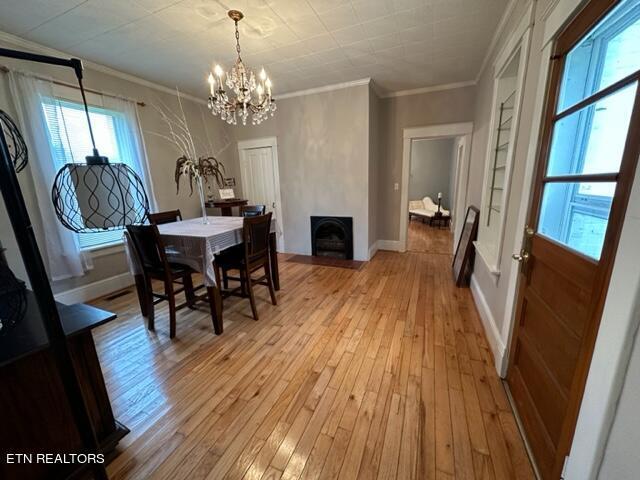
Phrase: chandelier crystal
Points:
(252, 96)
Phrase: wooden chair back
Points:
(255, 233)
(169, 216)
(252, 210)
(148, 246)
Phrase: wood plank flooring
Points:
(426, 239)
(380, 373)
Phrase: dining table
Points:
(195, 242)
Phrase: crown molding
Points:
(38, 48)
(434, 88)
(496, 36)
(326, 88)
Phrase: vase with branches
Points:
(199, 168)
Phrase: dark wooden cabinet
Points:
(35, 415)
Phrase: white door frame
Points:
(447, 130)
(261, 143)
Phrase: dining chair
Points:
(150, 252)
(252, 256)
(169, 216)
(252, 210)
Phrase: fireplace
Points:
(332, 237)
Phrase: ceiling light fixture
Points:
(242, 82)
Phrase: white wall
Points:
(430, 172)
(621, 460)
(612, 391)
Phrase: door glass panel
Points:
(592, 139)
(610, 52)
(577, 214)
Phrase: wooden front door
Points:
(588, 155)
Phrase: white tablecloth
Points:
(195, 244)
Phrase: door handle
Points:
(273, 205)
(521, 257)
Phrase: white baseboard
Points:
(94, 290)
(491, 329)
(373, 249)
(393, 245)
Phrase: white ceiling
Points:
(401, 44)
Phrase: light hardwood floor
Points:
(378, 373)
(426, 239)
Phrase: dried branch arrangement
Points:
(206, 167)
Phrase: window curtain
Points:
(130, 142)
(59, 246)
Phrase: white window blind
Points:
(71, 143)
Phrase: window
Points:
(71, 143)
(590, 132)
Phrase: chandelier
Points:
(242, 82)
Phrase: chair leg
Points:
(141, 290)
(252, 299)
(168, 290)
(243, 282)
(272, 292)
(150, 306)
(225, 279)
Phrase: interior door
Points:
(588, 155)
(260, 184)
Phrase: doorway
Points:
(439, 158)
(585, 169)
(431, 179)
(260, 178)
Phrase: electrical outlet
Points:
(396, 186)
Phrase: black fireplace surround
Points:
(332, 237)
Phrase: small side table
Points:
(226, 206)
(440, 219)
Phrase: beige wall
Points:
(375, 157)
(398, 113)
(495, 290)
(431, 169)
(161, 155)
(323, 150)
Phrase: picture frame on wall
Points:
(462, 265)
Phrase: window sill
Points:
(488, 261)
(106, 249)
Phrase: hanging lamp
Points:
(18, 151)
(98, 195)
(94, 196)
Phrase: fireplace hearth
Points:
(332, 237)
